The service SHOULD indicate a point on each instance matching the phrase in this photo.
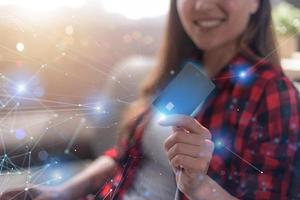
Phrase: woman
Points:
(242, 143)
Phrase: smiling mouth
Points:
(209, 23)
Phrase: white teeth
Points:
(209, 23)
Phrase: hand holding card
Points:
(182, 99)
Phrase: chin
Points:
(211, 44)
(206, 46)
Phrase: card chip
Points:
(170, 106)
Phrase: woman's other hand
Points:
(39, 193)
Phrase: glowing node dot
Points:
(26, 189)
(243, 74)
(21, 88)
(97, 108)
(20, 47)
(20, 134)
(219, 143)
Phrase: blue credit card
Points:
(185, 93)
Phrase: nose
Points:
(203, 5)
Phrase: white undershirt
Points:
(154, 178)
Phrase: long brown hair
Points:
(176, 47)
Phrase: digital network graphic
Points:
(35, 122)
(26, 120)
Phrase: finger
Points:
(12, 194)
(19, 193)
(178, 128)
(189, 163)
(199, 151)
(182, 137)
(14, 190)
(33, 193)
(185, 122)
(90, 197)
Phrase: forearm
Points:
(211, 190)
(90, 178)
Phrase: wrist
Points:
(210, 190)
(199, 192)
(55, 192)
(67, 191)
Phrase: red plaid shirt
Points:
(254, 113)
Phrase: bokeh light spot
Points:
(20, 134)
(20, 47)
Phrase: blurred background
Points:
(69, 67)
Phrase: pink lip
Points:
(207, 19)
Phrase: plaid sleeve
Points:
(118, 152)
(112, 153)
(270, 145)
(127, 154)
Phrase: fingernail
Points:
(161, 120)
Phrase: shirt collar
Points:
(232, 70)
